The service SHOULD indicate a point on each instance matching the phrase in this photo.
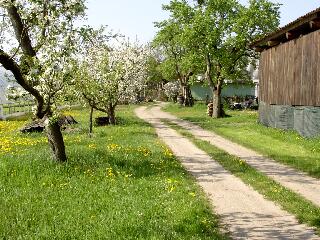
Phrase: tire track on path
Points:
(245, 212)
(299, 182)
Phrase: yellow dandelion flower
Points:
(192, 194)
(92, 146)
(110, 172)
(171, 188)
(168, 152)
(113, 147)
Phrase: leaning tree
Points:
(37, 46)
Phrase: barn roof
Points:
(302, 26)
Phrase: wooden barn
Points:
(289, 76)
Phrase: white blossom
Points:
(113, 74)
(172, 89)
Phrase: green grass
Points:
(120, 184)
(304, 210)
(22, 117)
(242, 127)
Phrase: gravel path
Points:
(245, 212)
(298, 182)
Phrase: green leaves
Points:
(173, 39)
(215, 35)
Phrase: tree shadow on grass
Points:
(134, 163)
(196, 222)
(131, 121)
(241, 226)
(309, 165)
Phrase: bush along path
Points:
(298, 182)
(244, 211)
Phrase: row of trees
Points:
(53, 60)
(210, 38)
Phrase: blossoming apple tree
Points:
(171, 90)
(110, 74)
(37, 46)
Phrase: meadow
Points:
(120, 183)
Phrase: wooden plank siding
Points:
(289, 73)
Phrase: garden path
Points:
(245, 213)
(298, 182)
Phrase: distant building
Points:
(241, 89)
(200, 91)
(254, 74)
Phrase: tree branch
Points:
(20, 30)
(175, 61)
(208, 71)
(232, 68)
(9, 64)
(45, 13)
(93, 104)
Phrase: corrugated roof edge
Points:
(296, 23)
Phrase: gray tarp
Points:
(311, 122)
(299, 120)
(271, 115)
(305, 120)
(263, 114)
(284, 117)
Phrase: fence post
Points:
(1, 112)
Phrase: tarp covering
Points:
(284, 117)
(311, 122)
(299, 120)
(263, 114)
(271, 115)
(305, 120)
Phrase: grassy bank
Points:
(303, 209)
(120, 184)
(242, 127)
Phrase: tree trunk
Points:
(187, 96)
(186, 91)
(111, 114)
(90, 121)
(216, 87)
(216, 100)
(56, 142)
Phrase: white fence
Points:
(12, 109)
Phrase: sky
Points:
(135, 18)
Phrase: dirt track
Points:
(245, 212)
(298, 182)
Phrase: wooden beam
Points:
(314, 24)
(289, 35)
(259, 49)
(311, 23)
(273, 43)
(292, 35)
(292, 26)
